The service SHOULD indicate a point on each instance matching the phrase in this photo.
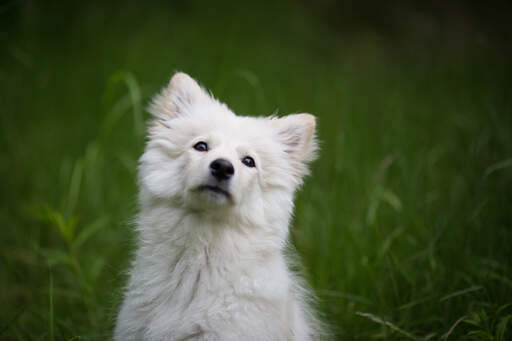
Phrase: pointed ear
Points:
(297, 133)
(173, 100)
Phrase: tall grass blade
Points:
(128, 78)
(74, 187)
(460, 293)
(388, 324)
(251, 78)
(498, 166)
(90, 230)
(379, 195)
(501, 329)
(56, 257)
(452, 328)
(51, 309)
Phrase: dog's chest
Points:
(203, 290)
(201, 276)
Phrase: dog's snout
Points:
(222, 169)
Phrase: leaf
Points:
(51, 323)
(388, 324)
(480, 335)
(382, 195)
(90, 230)
(135, 95)
(74, 186)
(498, 166)
(502, 308)
(96, 268)
(473, 321)
(372, 212)
(501, 329)
(386, 244)
(392, 199)
(460, 293)
(452, 328)
(429, 336)
(66, 227)
(55, 257)
(501, 278)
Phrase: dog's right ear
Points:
(174, 100)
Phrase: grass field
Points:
(404, 227)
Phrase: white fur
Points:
(208, 267)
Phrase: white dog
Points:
(216, 197)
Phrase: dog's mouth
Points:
(214, 189)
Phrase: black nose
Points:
(222, 169)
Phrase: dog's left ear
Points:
(296, 133)
(174, 99)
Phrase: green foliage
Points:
(489, 324)
(404, 227)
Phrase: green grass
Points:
(404, 227)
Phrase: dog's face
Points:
(203, 157)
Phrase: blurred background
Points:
(404, 227)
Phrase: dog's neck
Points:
(169, 232)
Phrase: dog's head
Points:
(203, 157)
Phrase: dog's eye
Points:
(201, 146)
(248, 161)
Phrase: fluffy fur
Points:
(209, 265)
